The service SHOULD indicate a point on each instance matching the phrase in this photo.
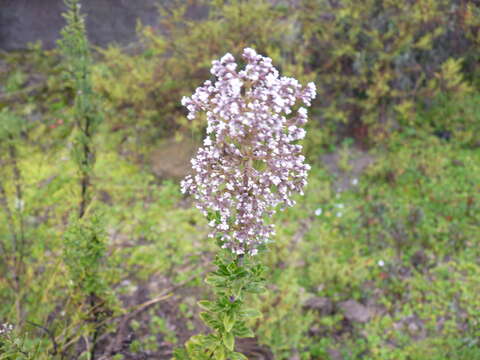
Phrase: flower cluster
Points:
(6, 328)
(250, 162)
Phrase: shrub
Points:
(374, 59)
(144, 88)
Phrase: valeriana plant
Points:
(250, 165)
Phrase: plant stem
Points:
(11, 223)
(19, 204)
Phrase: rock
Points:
(354, 311)
(321, 304)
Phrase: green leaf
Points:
(256, 288)
(210, 341)
(196, 339)
(223, 270)
(250, 313)
(241, 330)
(232, 268)
(215, 280)
(228, 322)
(210, 320)
(240, 273)
(228, 340)
(238, 356)
(206, 305)
(220, 354)
(192, 347)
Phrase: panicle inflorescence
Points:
(250, 161)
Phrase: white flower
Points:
(207, 141)
(246, 128)
(318, 212)
(381, 263)
(355, 182)
(6, 328)
(227, 58)
(276, 180)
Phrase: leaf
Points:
(196, 339)
(241, 330)
(240, 273)
(255, 288)
(228, 322)
(223, 270)
(214, 280)
(228, 340)
(425, 42)
(193, 345)
(220, 354)
(237, 287)
(238, 356)
(232, 267)
(210, 320)
(206, 305)
(250, 313)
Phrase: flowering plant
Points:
(250, 164)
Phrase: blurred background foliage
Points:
(378, 261)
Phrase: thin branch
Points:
(50, 335)
(19, 195)
(135, 310)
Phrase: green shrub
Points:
(452, 117)
(375, 59)
(144, 88)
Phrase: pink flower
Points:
(250, 162)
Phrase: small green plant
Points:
(86, 115)
(15, 246)
(227, 315)
(84, 241)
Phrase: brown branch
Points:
(50, 335)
